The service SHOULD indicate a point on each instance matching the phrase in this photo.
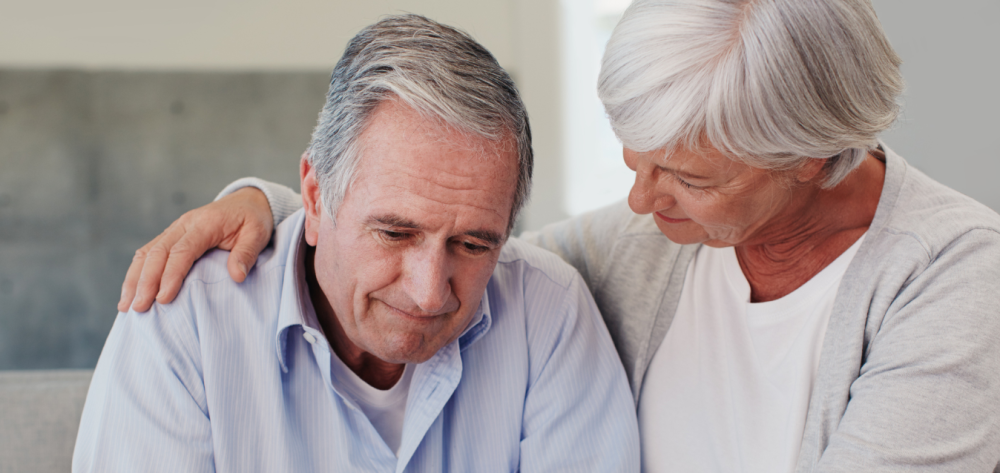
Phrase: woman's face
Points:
(705, 197)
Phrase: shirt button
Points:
(309, 337)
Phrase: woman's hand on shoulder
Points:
(240, 222)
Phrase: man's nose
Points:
(428, 280)
(644, 197)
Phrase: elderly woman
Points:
(786, 293)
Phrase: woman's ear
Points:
(810, 170)
(311, 199)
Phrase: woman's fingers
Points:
(192, 244)
(240, 222)
(151, 260)
(252, 239)
(132, 276)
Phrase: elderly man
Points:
(388, 327)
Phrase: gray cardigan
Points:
(909, 375)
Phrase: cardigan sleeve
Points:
(283, 200)
(925, 398)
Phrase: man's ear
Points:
(311, 199)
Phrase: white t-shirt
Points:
(384, 409)
(728, 389)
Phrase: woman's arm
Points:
(240, 220)
(925, 396)
(245, 212)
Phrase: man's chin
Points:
(404, 349)
(402, 359)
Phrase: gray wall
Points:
(93, 165)
(951, 63)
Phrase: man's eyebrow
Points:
(394, 221)
(492, 238)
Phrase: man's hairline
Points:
(510, 138)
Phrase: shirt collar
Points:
(480, 323)
(296, 308)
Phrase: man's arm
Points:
(146, 409)
(578, 414)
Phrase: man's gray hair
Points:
(439, 71)
(769, 82)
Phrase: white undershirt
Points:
(384, 409)
(728, 389)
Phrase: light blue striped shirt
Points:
(223, 379)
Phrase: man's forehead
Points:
(426, 198)
(395, 121)
(412, 169)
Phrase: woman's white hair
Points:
(769, 82)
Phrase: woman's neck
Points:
(802, 243)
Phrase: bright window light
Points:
(594, 172)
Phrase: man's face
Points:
(416, 237)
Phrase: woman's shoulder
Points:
(930, 212)
(596, 239)
(600, 228)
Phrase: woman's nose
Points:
(644, 197)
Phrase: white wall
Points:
(594, 173)
(220, 34)
(950, 53)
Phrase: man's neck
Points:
(377, 373)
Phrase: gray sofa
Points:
(39, 418)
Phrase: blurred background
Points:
(117, 116)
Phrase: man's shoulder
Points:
(213, 317)
(209, 293)
(211, 269)
(209, 299)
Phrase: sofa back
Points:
(39, 417)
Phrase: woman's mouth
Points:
(671, 220)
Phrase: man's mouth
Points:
(415, 315)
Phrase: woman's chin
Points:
(683, 234)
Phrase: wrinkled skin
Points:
(401, 272)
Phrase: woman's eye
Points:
(685, 183)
